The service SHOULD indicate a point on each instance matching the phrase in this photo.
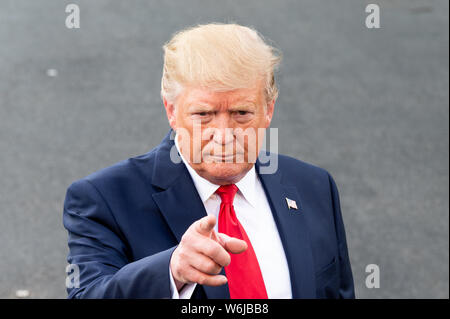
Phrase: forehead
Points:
(208, 96)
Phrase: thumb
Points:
(232, 244)
(205, 225)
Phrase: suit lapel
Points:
(293, 232)
(179, 201)
(181, 205)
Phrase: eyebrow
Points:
(245, 106)
(196, 106)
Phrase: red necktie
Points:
(244, 276)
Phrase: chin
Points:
(225, 173)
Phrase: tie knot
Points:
(227, 193)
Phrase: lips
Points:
(226, 158)
(222, 157)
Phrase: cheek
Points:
(182, 121)
(198, 145)
(251, 136)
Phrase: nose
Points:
(223, 133)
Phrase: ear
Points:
(269, 112)
(170, 111)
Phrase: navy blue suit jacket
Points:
(124, 222)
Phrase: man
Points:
(197, 217)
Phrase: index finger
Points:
(205, 225)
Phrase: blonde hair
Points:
(220, 57)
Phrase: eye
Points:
(241, 113)
(242, 116)
(202, 114)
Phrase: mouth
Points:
(223, 158)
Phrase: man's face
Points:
(218, 131)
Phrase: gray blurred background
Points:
(368, 105)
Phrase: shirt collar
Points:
(247, 184)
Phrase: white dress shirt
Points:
(254, 213)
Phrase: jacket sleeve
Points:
(99, 252)
(346, 286)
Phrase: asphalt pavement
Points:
(369, 105)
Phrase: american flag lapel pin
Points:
(291, 203)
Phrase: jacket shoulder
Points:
(295, 169)
(125, 172)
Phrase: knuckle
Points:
(208, 251)
(184, 257)
(212, 250)
(210, 266)
(187, 237)
(201, 280)
(216, 270)
(190, 276)
(181, 257)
